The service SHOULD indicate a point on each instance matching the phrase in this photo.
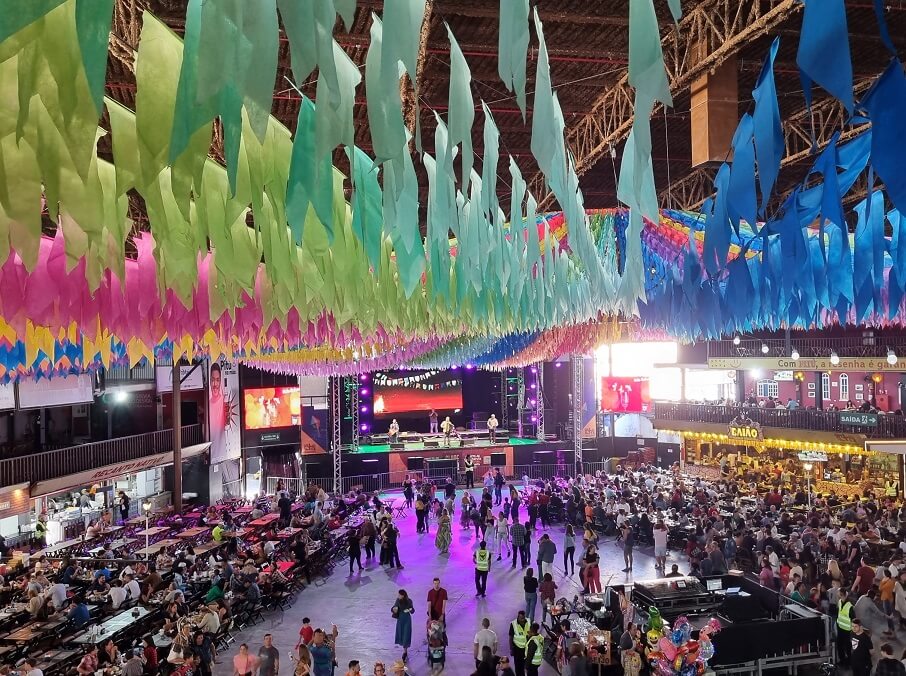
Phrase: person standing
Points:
(530, 587)
(432, 422)
(628, 544)
(268, 658)
(547, 550)
(660, 533)
(492, 428)
(470, 472)
(390, 539)
(534, 650)
(519, 629)
(569, 550)
(369, 537)
(591, 571)
(408, 492)
(402, 611)
(502, 536)
(518, 535)
(444, 533)
(482, 559)
(887, 589)
(498, 486)
(323, 652)
(844, 628)
(124, 502)
(860, 660)
(355, 549)
(447, 428)
(437, 602)
(484, 638)
(888, 665)
(245, 664)
(394, 431)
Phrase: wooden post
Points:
(177, 438)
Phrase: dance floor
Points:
(360, 605)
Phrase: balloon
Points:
(652, 637)
(667, 648)
(686, 630)
(691, 648)
(714, 625)
(665, 668)
(689, 670)
(654, 618)
(677, 637)
(656, 655)
(705, 650)
(681, 620)
(678, 663)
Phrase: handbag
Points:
(395, 612)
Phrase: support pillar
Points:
(539, 401)
(504, 403)
(177, 437)
(577, 411)
(354, 403)
(520, 399)
(336, 417)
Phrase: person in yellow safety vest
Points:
(534, 650)
(890, 488)
(844, 628)
(518, 638)
(482, 559)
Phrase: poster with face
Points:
(223, 411)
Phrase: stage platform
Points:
(477, 444)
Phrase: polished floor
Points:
(360, 605)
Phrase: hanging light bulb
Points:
(834, 358)
(891, 357)
(794, 355)
(764, 348)
(736, 340)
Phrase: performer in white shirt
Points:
(447, 428)
(492, 427)
(394, 431)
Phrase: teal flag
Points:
(461, 111)
(512, 47)
(93, 19)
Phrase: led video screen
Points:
(272, 407)
(402, 392)
(625, 395)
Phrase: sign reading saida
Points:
(803, 364)
(745, 429)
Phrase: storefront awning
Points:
(108, 472)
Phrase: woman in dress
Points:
(402, 610)
(303, 662)
(444, 533)
(502, 536)
(465, 510)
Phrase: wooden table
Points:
(114, 625)
(242, 511)
(288, 533)
(34, 631)
(154, 531)
(136, 521)
(208, 547)
(192, 533)
(156, 547)
(264, 521)
(63, 546)
(114, 545)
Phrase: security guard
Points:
(844, 628)
(519, 629)
(482, 559)
(890, 488)
(534, 651)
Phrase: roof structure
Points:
(588, 45)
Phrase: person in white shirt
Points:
(132, 588)
(484, 637)
(31, 667)
(117, 595)
(268, 547)
(492, 427)
(58, 595)
(660, 533)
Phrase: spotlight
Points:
(120, 397)
(363, 377)
(794, 355)
(363, 391)
(534, 418)
(364, 409)
(533, 401)
(363, 427)
(755, 373)
(891, 357)
(764, 348)
(736, 340)
(533, 386)
(469, 367)
(534, 370)
(834, 358)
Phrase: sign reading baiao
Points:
(745, 429)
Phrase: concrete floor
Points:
(360, 605)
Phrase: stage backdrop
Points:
(416, 392)
(315, 423)
(223, 411)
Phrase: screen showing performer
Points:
(402, 392)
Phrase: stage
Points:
(455, 444)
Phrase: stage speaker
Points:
(397, 446)
(498, 459)
(431, 444)
(415, 463)
(466, 441)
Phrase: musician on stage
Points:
(492, 428)
(447, 427)
(394, 431)
(432, 420)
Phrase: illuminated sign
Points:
(803, 364)
(742, 428)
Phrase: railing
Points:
(53, 464)
(858, 346)
(124, 374)
(889, 426)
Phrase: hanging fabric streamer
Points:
(461, 112)
(767, 127)
(512, 46)
(823, 54)
(885, 102)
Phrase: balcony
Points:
(869, 346)
(888, 426)
(66, 461)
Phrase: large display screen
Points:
(272, 407)
(625, 395)
(401, 392)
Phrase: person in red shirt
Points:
(306, 633)
(865, 578)
(437, 602)
(187, 668)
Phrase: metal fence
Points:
(849, 346)
(64, 461)
(888, 426)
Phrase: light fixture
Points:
(764, 348)
(794, 355)
(834, 358)
(807, 466)
(755, 373)
(147, 506)
(363, 427)
(736, 340)
(364, 409)
(120, 397)
(891, 357)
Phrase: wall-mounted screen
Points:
(73, 389)
(625, 395)
(272, 407)
(401, 392)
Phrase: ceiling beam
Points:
(707, 35)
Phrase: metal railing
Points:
(852, 346)
(64, 461)
(889, 426)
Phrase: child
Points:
(354, 668)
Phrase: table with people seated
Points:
(112, 626)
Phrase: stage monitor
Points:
(414, 393)
(625, 395)
(272, 407)
(715, 584)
